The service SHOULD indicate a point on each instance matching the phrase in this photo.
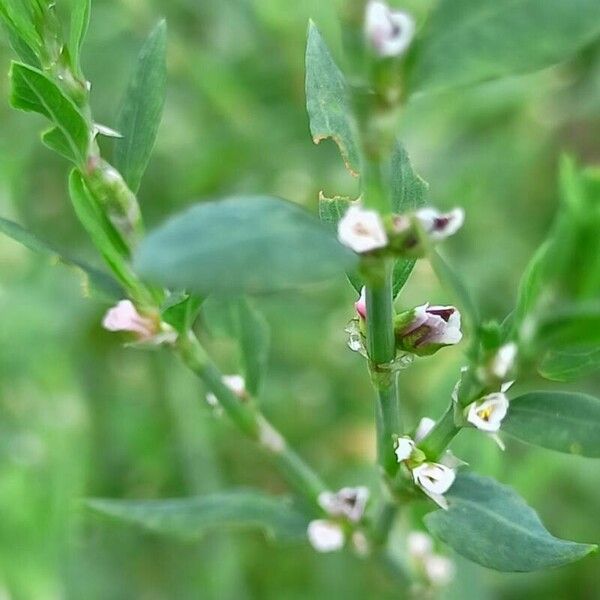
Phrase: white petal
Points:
(488, 412)
(404, 448)
(439, 569)
(419, 544)
(434, 478)
(362, 230)
(504, 360)
(388, 32)
(439, 226)
(423, 428)
(125, 317)
(235, 383)
(325, 536)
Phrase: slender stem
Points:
(250, 421)
(383, 523)
(444, 431)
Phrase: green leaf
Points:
(566, 365)
(327, 101)
(180, 310)
(254, 337)
(56, 141)
(488, 523)
(142, 108)
(468, 41)
(101, 231)
(19, 18)
(251, 245)
(33, 91)
(80, 20)
(564, 421)
(101, 283)
(192, 518)
(568, 327)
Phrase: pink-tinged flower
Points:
(426, 329)
(438, 226)
(487, 413)
(388, 32)
(362, 230)
(435, 480)
(325, 536)
(125, 317)
(361, 304)
(348, 502)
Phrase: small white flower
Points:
(404, 448)
(419, 544)
(504, 360)
(348, 502)
(325, 536)
(488, 412)
(362, 230)
(438, 569)
(361, 304)
(439, 226)
(423, 428)
(235, 383)
(435, 480)
(125, 317)
(389, 32)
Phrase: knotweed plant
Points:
(238, 247)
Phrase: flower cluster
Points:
(364, 230)
(344, 507)
(433, 478)
(436, 569)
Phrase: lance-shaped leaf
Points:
(101, 283)
(33, 91)
(566, 365)
(142, 108)
(328, 102)
(564, 421)
(254, 245)
(490, 524)
(192, 518)
(467, 41)
(19, 18)
(80, 20)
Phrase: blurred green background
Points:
(82, 416)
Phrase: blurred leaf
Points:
(488, 523)
(564, 421)
(253, 334)
(568, 327)
(19, 19)
(531, 284)
(102, 233)
(180, 310)
(192, 518)
(33, 91)
(468, 41)
(327, 100)
(55, 140)
(565, 365)
(254, 245)
(80, 20)
(101, 283)
(142, 108)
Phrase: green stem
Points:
(250, 421)
(383, 523)
(444, 431)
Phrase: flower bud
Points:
(404, 448)
(388, 32)
(325, 536)
(125, 317)
(361, 304)
(488, 412)
(362, 230)
(426, 329)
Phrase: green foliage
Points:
(80, 20)
(490, 524)
(328, 102)
(252, 245)
(468, 41)
(564, 421)
(142, 108)
(566, 365)
(33, 91)
(100, 283)
(192, 518)
(19, 17)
